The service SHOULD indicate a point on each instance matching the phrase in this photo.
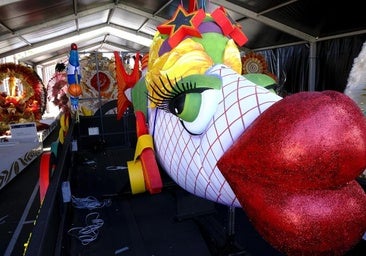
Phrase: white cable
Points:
(89, 202)
(90, 232)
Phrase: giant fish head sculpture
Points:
(199, 105)
(290, 162)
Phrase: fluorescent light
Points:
(86, 36)
(5, 2)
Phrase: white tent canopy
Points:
(39, 33)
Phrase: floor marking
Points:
(17, 231)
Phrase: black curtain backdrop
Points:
(334, 60)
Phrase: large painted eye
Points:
(193, 100)
(203, 113)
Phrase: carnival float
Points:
(356, 87)
(22, 104)
(289, 162)
(212, 120)
(22, 96)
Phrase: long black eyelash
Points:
(167, 95)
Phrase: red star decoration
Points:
(181, 25)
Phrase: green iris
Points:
(187, 105)
(191, 107)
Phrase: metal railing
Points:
(47, 235)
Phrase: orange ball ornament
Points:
(75, 90)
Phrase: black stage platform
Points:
(172, 222)
(19, 205)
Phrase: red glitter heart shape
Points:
(313, 222)
(293, 171)
(309, 140)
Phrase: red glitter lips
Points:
(293, 171)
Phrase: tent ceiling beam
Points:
(265, 20)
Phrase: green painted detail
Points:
(192, 105)
(203, 81)
(260, 79)
(139, 96)
(214, 45)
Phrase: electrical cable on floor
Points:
(89, 202)
(90, 232)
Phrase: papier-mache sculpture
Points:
(290, 162)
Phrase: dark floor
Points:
(17, 209)
(172, 222)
